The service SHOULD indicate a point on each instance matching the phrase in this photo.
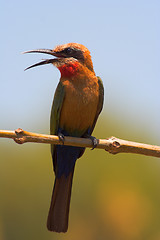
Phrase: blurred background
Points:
(114, 197)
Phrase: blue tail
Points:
(66, 158)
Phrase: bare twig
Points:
(112, 145)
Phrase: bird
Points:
(77, 103)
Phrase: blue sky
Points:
(123, 37)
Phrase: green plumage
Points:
(56, 110)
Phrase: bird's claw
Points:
(94, 142)
(61, 137)
(93, 139)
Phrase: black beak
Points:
(47, 61)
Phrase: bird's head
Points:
(69, 57)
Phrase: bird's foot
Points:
(61, 137)
(93, 139)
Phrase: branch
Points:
(112, 145)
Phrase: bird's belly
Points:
(79, 110)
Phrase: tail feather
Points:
(60, 203)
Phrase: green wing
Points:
(56, 110)
(100, 103)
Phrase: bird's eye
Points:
(68, 50)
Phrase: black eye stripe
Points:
(73, 52)
(68, 50)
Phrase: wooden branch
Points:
(112, 145)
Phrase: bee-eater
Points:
(77, 103)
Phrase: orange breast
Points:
(80, 105)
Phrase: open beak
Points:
(47, 61)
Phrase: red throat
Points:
(69, 69)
